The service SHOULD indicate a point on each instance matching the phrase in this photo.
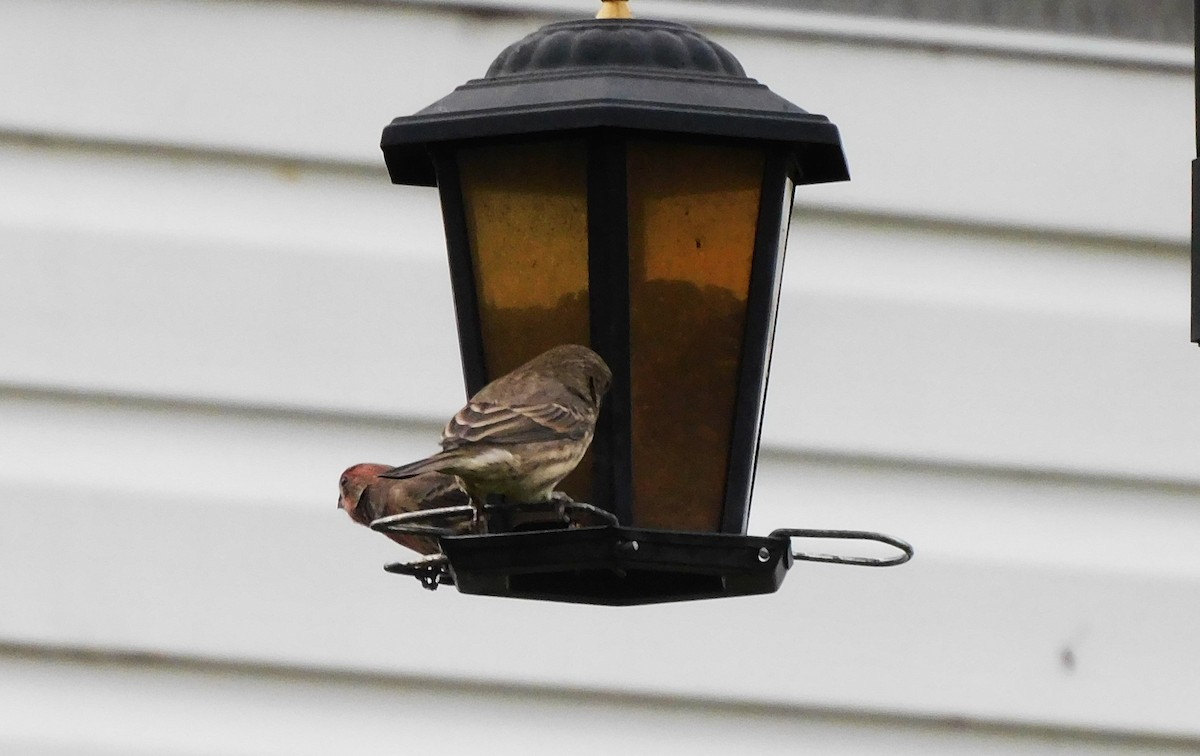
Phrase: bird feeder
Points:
(621, 183)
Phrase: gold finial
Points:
(615, 9)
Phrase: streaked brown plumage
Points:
(366, 497)
(526, 430)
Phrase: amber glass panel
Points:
(526, 210)
(693, 211)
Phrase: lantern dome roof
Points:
(643, 45)
(636, 74)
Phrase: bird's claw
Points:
(561, 501)
(479, 524)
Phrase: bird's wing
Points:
(508, 424)
(436, 463)
(365, 508)
(437, 491)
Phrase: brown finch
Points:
(366, 497)
(525, 431)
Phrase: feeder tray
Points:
(608, 564)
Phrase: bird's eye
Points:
(342, 482)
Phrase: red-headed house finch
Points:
(366, 497)
(525, 431)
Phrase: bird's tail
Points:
(437, 463)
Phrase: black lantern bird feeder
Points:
(621, 183)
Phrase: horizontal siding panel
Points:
(190, 321)
(194, 532)
(909, 27)
(930, 132)
(1004, 387)
(168, 710)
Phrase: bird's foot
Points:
(479, 524)
(560, 501)
(435, 559)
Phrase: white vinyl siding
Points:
(212, 301)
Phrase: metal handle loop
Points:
(854, 535)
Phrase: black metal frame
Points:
(687, 85)
(754, 366)
(608, 319)
(617, 566)
(462, 271)
(1196, 185)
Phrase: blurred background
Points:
(212, 301)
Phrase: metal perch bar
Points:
(414, 523)
(405, 523)
(854, 535)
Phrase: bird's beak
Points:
(340, 503)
